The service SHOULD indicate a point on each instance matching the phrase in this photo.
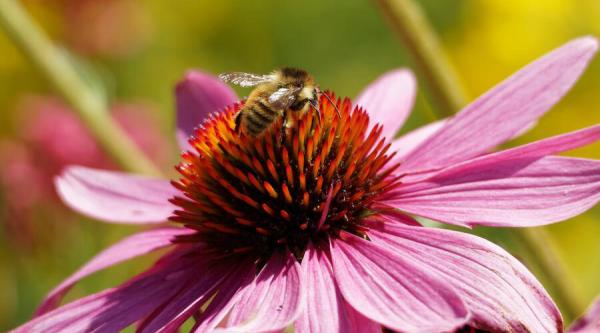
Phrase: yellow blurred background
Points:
(138, 50)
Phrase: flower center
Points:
(306, 182)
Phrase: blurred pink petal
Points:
(57, 134)
(113, 28)
(116, 197)
(505, 110)
(389, 100)
(323, 298)
(59, 138)
(590, 322)
(373, 278)
(128, 248)
(139, 123)
(196, 96)
(275, 301)
(499, 291)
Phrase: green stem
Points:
(407, 20)
(54, 65)
(542, 251)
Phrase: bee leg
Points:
(283, 130)
(334, 105)
(315, 105)
(238, 122)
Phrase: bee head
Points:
(295, 77)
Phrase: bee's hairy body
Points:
(257, 115)
(285, 91)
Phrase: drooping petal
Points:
(399, 293)
(389, 100)
(114, 309)
(501, 294)
(590, 322)
(274, 302)
(214, 276)
(505, 110)
(323, 298)
(115, 196)
(196, 96)
(230, 291)
(130, 247)
(516, 193)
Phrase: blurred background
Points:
(137, 50)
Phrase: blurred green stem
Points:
(407, 20)
(89, 105)
(542, 251)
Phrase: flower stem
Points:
(88, 104)
(408, 21)
(541, 249)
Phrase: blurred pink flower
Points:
(314, 230)
(104, 28)
(50, 138)
(589, 322)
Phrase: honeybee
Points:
(276, 94)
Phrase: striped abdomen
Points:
(256, 117)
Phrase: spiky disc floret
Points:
(255, 195)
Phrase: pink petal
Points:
(411, 140)
(130, 247)
(553, 145)
(230, 291)
(197, 293)
(392, 215)
(590, 322)
(275, 301)
(196, 96)
(505, 110)
(399, 293)
(389, 100)
(116, 197)
(499, 291)
(505, 189)
(114, 309)
(324, 298)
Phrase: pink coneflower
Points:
(313, 227)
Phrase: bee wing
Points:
(245, 79)
(284, 97)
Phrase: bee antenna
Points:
(334, 105)
(315, 105)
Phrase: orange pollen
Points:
(251, 196)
